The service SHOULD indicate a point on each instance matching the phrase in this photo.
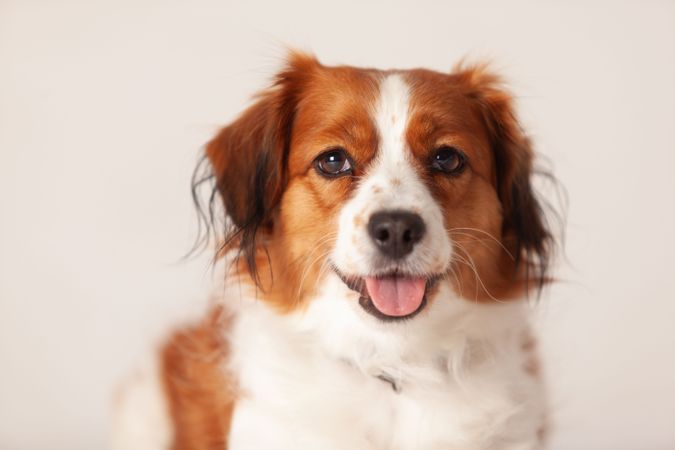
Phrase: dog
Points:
(380, 241)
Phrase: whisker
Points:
(305, 271)
(459, 229)
(317, 246)
(464, 261)
(457, 279)
(472, 265)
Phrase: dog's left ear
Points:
(248, 157)
(524, 228)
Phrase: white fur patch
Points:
(391, 183)
(310, 380)
(141, 415)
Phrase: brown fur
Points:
(200, 394)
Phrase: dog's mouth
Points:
(393, 296)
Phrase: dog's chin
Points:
(358, 284)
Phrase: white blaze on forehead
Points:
(391, 118)
(393, 169)
(390, 182)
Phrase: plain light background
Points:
(104, 107)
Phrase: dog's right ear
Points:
(249, 156)
(525, 228)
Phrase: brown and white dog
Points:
(381, 239)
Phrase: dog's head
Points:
(390, 180)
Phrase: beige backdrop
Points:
(104, 107)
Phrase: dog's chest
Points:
(296, 396)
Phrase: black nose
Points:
(396, 232)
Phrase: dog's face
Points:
(392, 180)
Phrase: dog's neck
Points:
(436, 347)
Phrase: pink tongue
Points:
(396, 296)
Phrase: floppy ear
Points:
(524, 227)
(249, 157)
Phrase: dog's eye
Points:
(333, 163)
(448, 160)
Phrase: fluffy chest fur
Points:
(454, 378)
